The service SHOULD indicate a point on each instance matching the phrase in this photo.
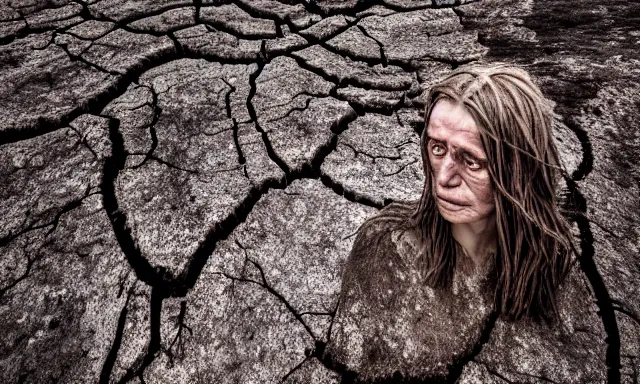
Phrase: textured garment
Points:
(406, 328)
(391, 325)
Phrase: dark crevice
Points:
(170, 165)
(84, 61)
(333, 315)
(538, 378)
(28, 31)
(220, 26)
(236, 140)
(603, 299)
(620, 307)
(357, 152)
(293, 370)
(264, 284)
(351, 196)
(586, 164)
(383, 56)
(493, 372)
(157, 111)
(400, 169)
(294, 109)
(94, 105)
(107, 367)
(25, 274)
(115, 163)
(254, 117)
(198, 5)
(82, 139)
(68, 207)
(363, 108)
(176, 347)
(402, 8)
(153, 347)
(346, 80)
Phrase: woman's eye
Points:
(437, 150)
(473, 165)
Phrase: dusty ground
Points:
(180, 180)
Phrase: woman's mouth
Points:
(451, 202)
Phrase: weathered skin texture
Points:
(156, 156)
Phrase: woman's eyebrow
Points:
(465, 152)
(434, 139)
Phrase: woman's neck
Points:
(476, 238)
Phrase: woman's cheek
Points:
(481, 187)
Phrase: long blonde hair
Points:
(534, 243)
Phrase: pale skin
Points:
(462, 187)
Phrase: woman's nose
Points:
(448, 175)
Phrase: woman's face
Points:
(461, 184)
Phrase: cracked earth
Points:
(180, 181)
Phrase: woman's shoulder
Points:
(571, 349)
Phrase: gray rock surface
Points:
(193, 158)
(266, 294)
(377, 159)
(181, 181)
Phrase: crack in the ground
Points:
(456, 368)
(25, 274)
(603, 299)
(402, 168)
(307, 102)
(586, 164)
(254, 117)
(236, 140)
(94, 105)
(68, 207)
(139, 366)
(115, 163)
(348, 194)
(265, 284)
(107, 366)
(344, 81)
(293, 370)
(178, 340)
(373, 158)
(620, 307)
(383, 56)
(360, 108)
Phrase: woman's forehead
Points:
(453, 121)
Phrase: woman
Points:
(426, 281)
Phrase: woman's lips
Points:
(452, 201)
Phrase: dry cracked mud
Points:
(181, 181)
